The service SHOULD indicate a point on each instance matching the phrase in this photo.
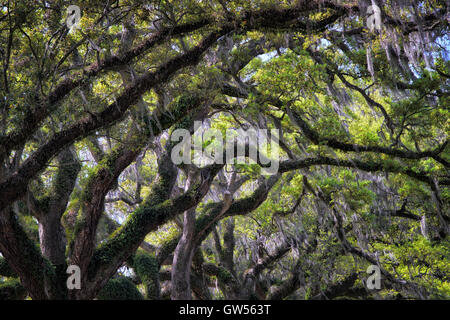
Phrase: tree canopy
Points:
(358, 92)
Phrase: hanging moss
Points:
(121, 288)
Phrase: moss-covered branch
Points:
(120, 288)
(147, 269)
(104, 177)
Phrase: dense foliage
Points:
(87, 177)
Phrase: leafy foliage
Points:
(87, 179)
